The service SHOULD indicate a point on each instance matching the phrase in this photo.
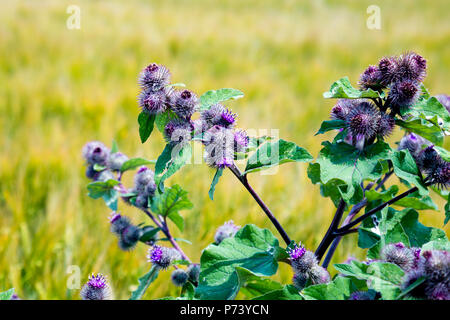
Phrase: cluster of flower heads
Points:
(227, 230)
(307, 270)
(144, 186)
(101, 162)
(96, 288)
(432, 265)
(127, 233)
(428, 160)
(215, 126)
(364, 120)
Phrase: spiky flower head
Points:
(154, 77)
(162, 257)
(154, 102)
(178, 131)
(428, 159)
(437, 265)
(179, 277)
(342, 108)
(386, 124)
(300, 280)
(143, 178)
(403, 95)
(440, 291)
(213, 115)
(129, 237)
(141, 201)
(440, 174)
(116, 160)
(91, 173)
(227, 230)
(410, 278)
(241, 141)
(413, 143)
(193, 272)
(361, 295)
(387, 67)
(398, 254)
(184, 103)
(411, 66)
(118, 223)
(95, 152)
(444, 100)
(371, 79)
(362, 121)
(96, 288)
(319, 275)
(104, 176)
(219, 147)
(227, 119)
(302, 260)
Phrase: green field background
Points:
(60, 88)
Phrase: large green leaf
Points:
(344, 89)
(144, 283)
(288, 292)
(172, 159)
(348, 167)
(329, 125)
(339, 289)
(275, 153)
(215, 96)
(405, 168)
(424, 128)
(252, 248)
(146, 122)
(430, 108)
(382, 277)
(105, 190)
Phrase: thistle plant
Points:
(356, 170)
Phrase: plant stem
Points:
(329, 236)
(245, 183)
(375, 210)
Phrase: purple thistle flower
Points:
(95, 152)
(156, 254)
(212, 115)
(154, 77)
(129, 237)
(116, 160)
(413, 143)
(227, 230)
(341, 110)
(184, 103)
(96, 288)
(227, 119)
(371, 79)
(142, 179)
(179, 277)
(114, 217)
(154, 102)
(398, 254)
(162, 257)
(387, 67)
(441, 175)
(362, 121)
(241, 141)
(178, 131)
(300, 280)
(119, 223)
(403, 95)
(297, 252)
(411, 66)
(219, 147)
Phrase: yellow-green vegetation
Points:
(60, 88)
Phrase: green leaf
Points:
(7, 295)
(216, 178)
(447, 211)
(252, 285)
(343, 89)
(172, 159)
(430, 108)
(149, 233)
(347, 167)
(105, 190)
(329, 125)
(288, 292)
(414, 200)
(188, 291)
(134, 163)
(424, 128)
(212, 97)
(146, 122)
(144, 283)
(380, 276)
(98, 167)
(339, 289)
(440, 244)
(405, 168)
(276, 153)
(163, 118)
(114, 147)
(252, 248)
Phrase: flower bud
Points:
(213, 115)
(398, 254)
(129, 237)
(362, 121)
(143, 177)
(96, 288)
(184, 103)
(318, 275)
(118, 223)
(153, 102)
(162, 257)
(141, 201)
(95, 152)
(116, 160)
(227, 230)
(371, 79)
(193, 272)
(302, 260)
(411, 66)
(104, 176)
(179, 277)
(387, 67)
(403, 95)
(219, 147)
(154, 77)
(300, 280)
(386, 124)
(413, 143)
(178, 131)
(90, 172)
(241, 141)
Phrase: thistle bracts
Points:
(96, 288)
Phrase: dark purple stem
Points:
(245, 183)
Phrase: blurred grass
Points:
(60, 88)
